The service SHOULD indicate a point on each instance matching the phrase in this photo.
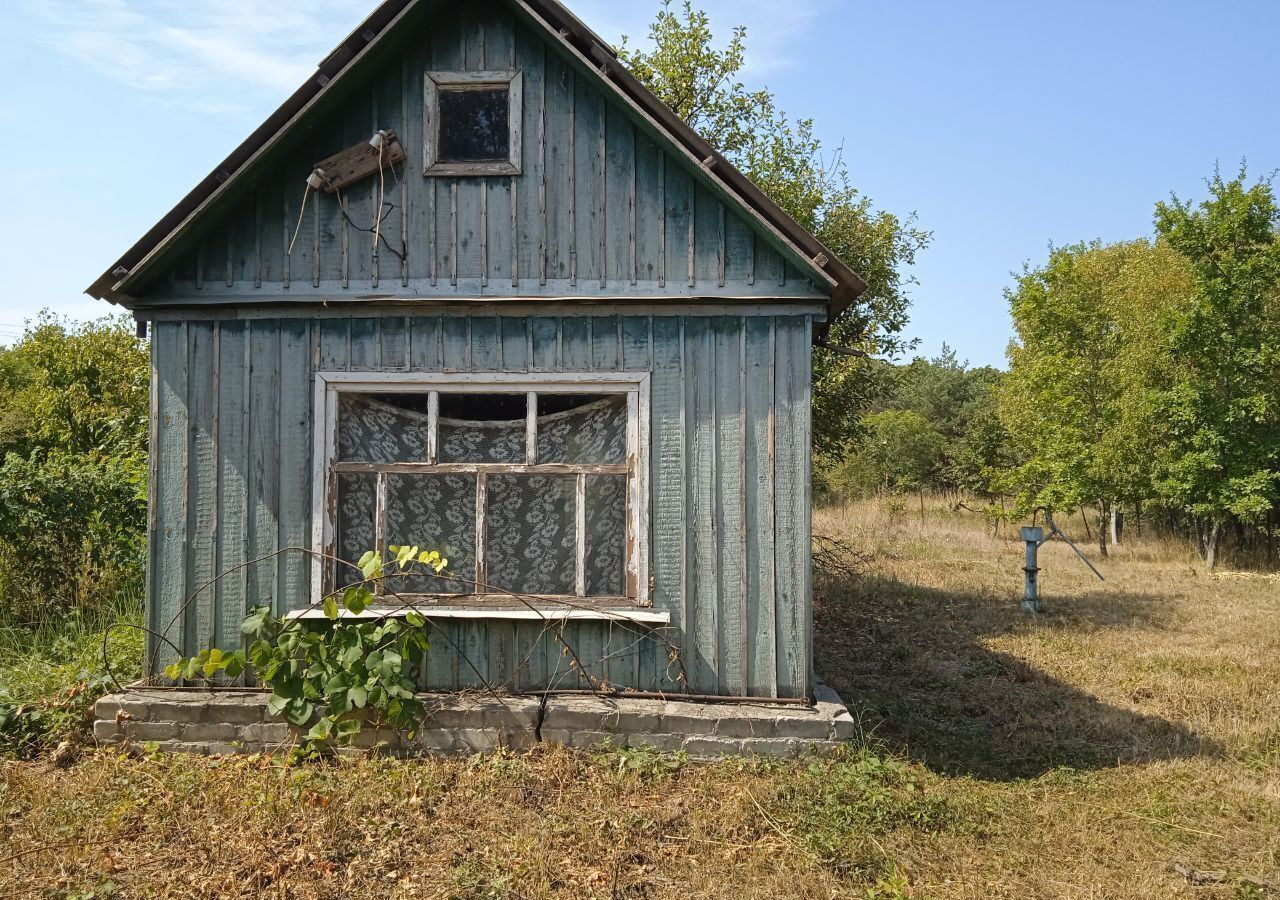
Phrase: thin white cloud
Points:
(176, 45)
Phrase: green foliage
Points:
(337, 676)
(932, 424)
(1077, 400)
(52, 672)
(73, 466)
(700, 82)
(901, 448)
(1220, 405)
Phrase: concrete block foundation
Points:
(237, 721)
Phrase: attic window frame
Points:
(329, 385)
(512, 81)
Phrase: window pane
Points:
(606, 513)
(474, 125)
(530, 520)
(582, 429)
(434, 512)
(382, 429)
(482, 428)
(355, 531)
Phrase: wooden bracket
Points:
(359, 162)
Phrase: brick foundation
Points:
(218, 722)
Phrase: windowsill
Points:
(557, 613)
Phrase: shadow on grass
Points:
(912, 662)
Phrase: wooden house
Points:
(474, 288)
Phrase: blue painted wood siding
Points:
(599, 208)
(729, 484)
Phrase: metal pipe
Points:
(660, 695)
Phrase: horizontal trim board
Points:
(476, 382)
(522, 308)
(427, 468)
(539, 613)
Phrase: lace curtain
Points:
(531, 520)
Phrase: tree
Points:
(1220, 409)
(902, 448)
(1076, 401)
(700, 83)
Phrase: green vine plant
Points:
(352, 672)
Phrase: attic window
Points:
(471, 123)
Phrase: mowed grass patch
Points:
(1131, 728)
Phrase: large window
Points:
(529, 485)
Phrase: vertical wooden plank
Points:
(295, 472)
(232, 461)
(457, 344)
(419, 218)
(606, 343)
(335, 344)
(203, 479)
(499, 53)
(364, 344)
(558, 169)
(263, 386)
(515, 343)
(637, 344)
(575, 344)
(678, 187)
(168, 578)
(700, 431)
(619, 194)
(425, 350)
(762, 680)
(393, 343)
(706, 241)
(730, 521)
(668, 548)
(791, 436)
(529, 186)
(486, 344)
(588, 199)
(738, 250)
(544, 333)
(649, 210)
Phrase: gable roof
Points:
(562, 27)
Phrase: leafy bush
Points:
(94, 509)
(338, 675)
(73, 465)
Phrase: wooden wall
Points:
(729, 506)
(598, 209)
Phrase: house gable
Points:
(605, 204)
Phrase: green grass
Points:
(53, 670)
(1088, 752)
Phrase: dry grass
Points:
(1130, 728)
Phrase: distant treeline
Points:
(1144, 379)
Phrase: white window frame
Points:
(512, 81)
(634, 385)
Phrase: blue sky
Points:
(1006, 126)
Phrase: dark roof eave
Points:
(848, 285)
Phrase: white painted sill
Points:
(552, 614)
